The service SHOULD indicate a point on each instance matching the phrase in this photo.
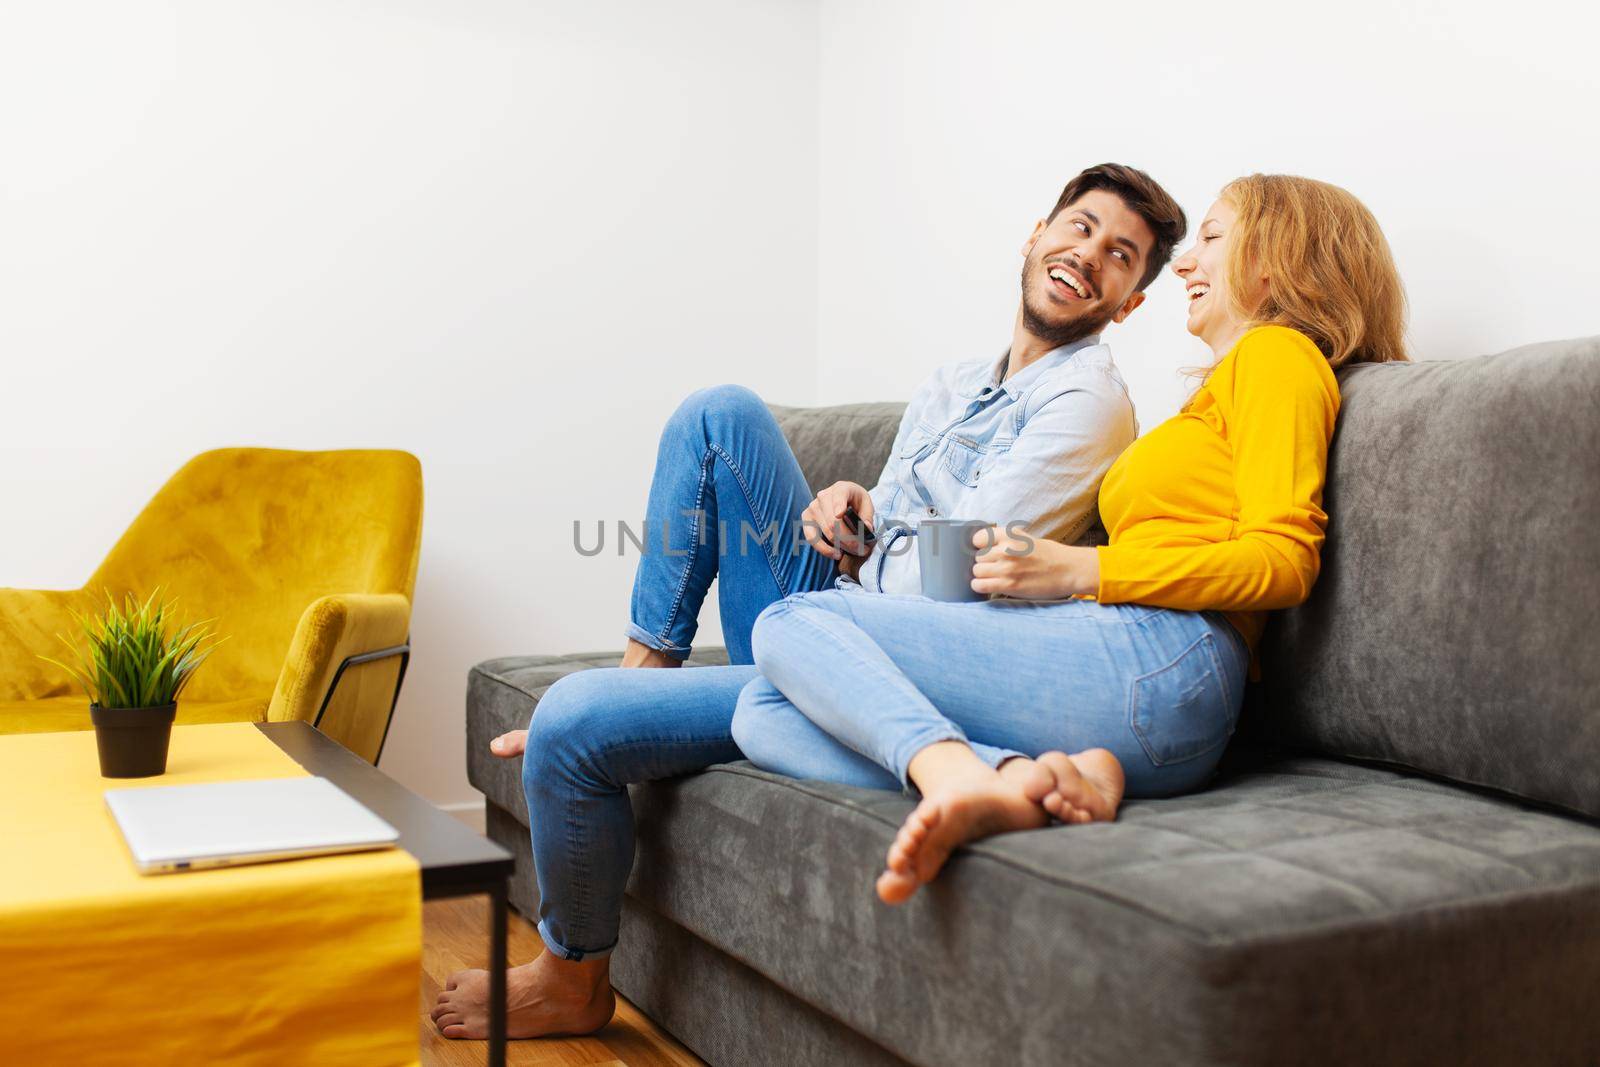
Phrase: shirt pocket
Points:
(963, 459)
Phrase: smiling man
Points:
(1024, 439)
(1027, 438)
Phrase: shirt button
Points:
(933, 511)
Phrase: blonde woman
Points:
(1116, 670)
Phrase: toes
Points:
(923, 820)
(1089, 784)
(1039, 783)
(509, 744)
(895, 888)
(903, 859)
(1053, 803)
(1065, 810)
(1075, 790)
(930, 861)
(906, 844)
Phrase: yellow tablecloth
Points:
(310, 962)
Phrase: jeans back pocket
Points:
(1184, 710)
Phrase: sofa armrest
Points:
(30, 619)
(332, 630)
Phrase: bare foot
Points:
(548, 996)
(508, 745)
(1086, 786)
(637, 655)
(966, 808)
(1082, 788)
(513, 744)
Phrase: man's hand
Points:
(824, 526)
(1030, 568)
(851, 565)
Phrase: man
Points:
(1026, 439)
(1023, 439)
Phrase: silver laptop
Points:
(219, 824)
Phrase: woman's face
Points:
(1203, 268)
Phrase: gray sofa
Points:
(1399, 861)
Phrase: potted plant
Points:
(133, 670)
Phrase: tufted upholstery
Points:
(1305, 909)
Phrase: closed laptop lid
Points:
(221, 821)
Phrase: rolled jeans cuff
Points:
(649, 640)
(562, 952)
(908, 747)
(988, 753)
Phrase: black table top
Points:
(454, 860)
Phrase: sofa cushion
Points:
(1455, 627)
(1302, 912)
(1283, 912)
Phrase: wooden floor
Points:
(455, 935)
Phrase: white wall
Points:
(505, 236)
(949, 128)
(510, 236)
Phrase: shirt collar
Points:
(985, 377)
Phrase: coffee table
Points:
(455, 861)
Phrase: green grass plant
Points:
(130, 659)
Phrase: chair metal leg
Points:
(404, 652)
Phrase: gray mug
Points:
(946, 553)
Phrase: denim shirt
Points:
(1031, 449)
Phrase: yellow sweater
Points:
(1220, 507)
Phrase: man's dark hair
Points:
(1144, 198)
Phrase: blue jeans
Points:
(852, 685)
(725, 499)
(846, 686)
(725, 502)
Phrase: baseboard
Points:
(469, 812)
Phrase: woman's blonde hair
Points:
(1329, 270)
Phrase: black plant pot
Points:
(132, 741)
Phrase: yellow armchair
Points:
(307, 562)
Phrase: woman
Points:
(1006, 713)
(1214, 518)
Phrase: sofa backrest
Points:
(1455, 626)
(843, 443)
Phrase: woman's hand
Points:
(1030, 568)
